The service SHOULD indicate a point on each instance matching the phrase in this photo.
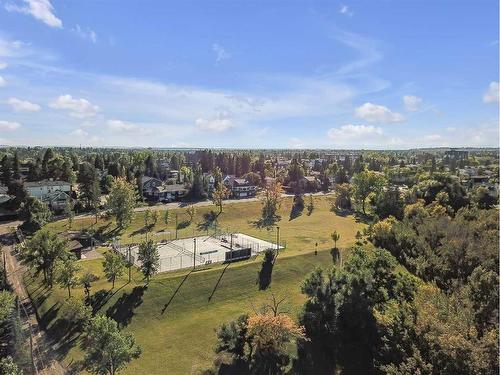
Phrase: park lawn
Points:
(173, 319)
(300, 234)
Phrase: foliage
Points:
(6, 305)
(270, 334)
(34, 213)
(388, 202)
(86, 281)
(218, 195)
(76, 312)
(365, 183)
(147, 216)
(343, 197)
(166, 217)
(70, 213)
(349, 316)
(42, 251)
(154, 217)
(107, 350)
(9, 367)
(271, 202)
(67, 274)
(149, 259)
(191, 212)
(113, 265)
(121, 202)
(483, 199)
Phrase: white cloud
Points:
(79, 133)
(433, 137)
(220, 52)
(491, 95)
(79, 108)
(120, 126)
(377, 113)
(42, 10)
(87, 34)
(349, 133)
(344, 9)
(9, 125)
(19, 105)
(295, 142)
(219, 123)
(451, 129)
(3, 65)
(3, 82)
(412, 103)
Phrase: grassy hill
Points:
(175, 317)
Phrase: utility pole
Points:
(194, 256)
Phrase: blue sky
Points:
(288, 74)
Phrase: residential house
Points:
(57, 200)
(239, 187)
(208, 182)
(309, 184)
(148, 185)
(56, 194)
(155, 189)
(169, 193)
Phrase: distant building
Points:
(239, 187)
(454, 154)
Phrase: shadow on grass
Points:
(335, 252)
(218, 282)
(145, 229)
(104, 234)
(123, 309)
(209, 221)
(265, 273)
(265, 222)
(175, 292)
(183, 224)
(360, 217)
(296, 212)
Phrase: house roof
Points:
(146, 179)
(171, 188)
(46, 183)
(54, 195)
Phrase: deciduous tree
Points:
(121, 202)
(107, 350)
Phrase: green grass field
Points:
(174, 319)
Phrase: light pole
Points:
(176, 227)
(277, 240)
(129, 263)
(194, 256)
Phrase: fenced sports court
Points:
(201, 250)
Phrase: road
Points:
(43, 353)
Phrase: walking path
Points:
(43, 354)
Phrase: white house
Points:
(44, 188)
